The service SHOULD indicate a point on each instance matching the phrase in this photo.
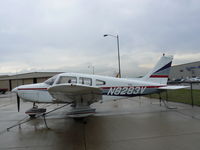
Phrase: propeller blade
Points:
(18, 103)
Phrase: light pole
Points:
(92, 68)
(117, 37)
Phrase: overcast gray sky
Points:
(67, 35)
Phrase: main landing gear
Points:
(80, 109)
(166, 103)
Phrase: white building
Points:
(185, 71)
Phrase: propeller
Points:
(18, 103)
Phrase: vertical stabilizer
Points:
(160, 73)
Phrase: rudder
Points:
(160, 73)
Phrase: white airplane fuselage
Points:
(112, 88)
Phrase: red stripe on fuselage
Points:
(101, 87)
(159, 76)
(131, 86)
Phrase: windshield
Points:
(51, 80)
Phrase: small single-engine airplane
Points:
(81, 90)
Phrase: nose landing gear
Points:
(35, 111)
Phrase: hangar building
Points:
(185, 71)
(10, 82)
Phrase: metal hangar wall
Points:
(10, 82)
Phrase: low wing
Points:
(71, 93)
(173, 87)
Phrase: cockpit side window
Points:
(51, 80)
(85, 81)
(100, 82)
(67, 79)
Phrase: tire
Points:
(32, 116)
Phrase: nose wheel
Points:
(35, 111)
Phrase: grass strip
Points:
(182, 96)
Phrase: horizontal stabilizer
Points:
(173, 87)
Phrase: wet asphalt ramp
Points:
(127, 124)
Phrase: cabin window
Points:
(100, 82)
(67, 79)
(51, 80)
(86, 81)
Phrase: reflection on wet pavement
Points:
(134, 123)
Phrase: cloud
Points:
(186, 57)
(67, 35)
